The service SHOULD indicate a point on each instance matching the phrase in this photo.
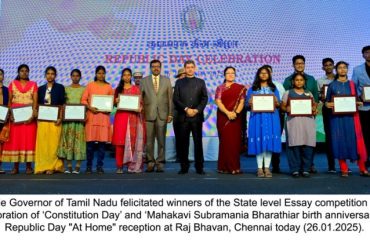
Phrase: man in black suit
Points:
(190, 98)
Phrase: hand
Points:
(315, 111)
(190, 112)
(329, 104)
(359, 103)
(169, 119)
(117, 100)
(231, 115)
(58, 122)
(277, 104)
(29, 120)
(11, 118)
(94, 110)
(250, 102)
(288, 109)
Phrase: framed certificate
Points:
(4, 113)
(22, 114)
(300, 106)
(324, 90)
(74, 113)
(263, 103)
(366, 93)
(104, 103)
(48, 113)
(344, 104)
(129, 102)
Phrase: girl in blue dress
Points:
(264, 136)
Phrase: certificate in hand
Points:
(48, 113)
(22, 114)
(344, 104)
(325, 90)
(74, 113)
(263, 103)
(104, 103)
(300, 106)
(129, 102)
(4, 113)
(366, 93)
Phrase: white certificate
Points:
(74, 113)
(366, 94)
(104, 103)
(129, 102)
(300, 107)
(263, 103)
(22, 114)
(48, 113)
(325, 90)
(344, 104)
(3, 113)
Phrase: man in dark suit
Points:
(190, 98)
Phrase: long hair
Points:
(98, 68)
(257, 80)
(121, 82)
(19, 69)
(337, 66)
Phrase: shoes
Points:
(364, 174)
(344, 174)
(159, 170)
(268, 174)
(99, 170)
(49, 172)
(306, 174)
(119, 171)
(349, 170)
(88, 170)
(76, 171)
(236, 172)
(200, 172)
(68, 171)
(182, 171)
(313, 170)
(260, 173)
(2, 171)
(332, 171)
(295, 174)
(276, 170)
(14, 171)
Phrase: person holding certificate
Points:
(361, 78)
(97, 128)
(230, 102)
(4, 97)
(48, 132)
(72, 145)
(22, 139)
(264, 135)
(300, 129)
(128, 129)
(346, 131)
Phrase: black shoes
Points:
(201, 172)
(100, 170)
(88, 170)
(182, 171)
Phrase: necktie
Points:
(156, 84)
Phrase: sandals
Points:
(260, 173)
(14, 171)
(268, 173)
(344, 174)
(364, 174)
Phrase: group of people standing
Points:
(347, 135)
(53, 145)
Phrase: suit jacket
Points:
(191, 93)
(361, 79)
(57, 94)
(156, 104)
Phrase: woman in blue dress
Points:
(345, 129)
(264, 136)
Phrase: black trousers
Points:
(184, 130)
(275, 159)
(365, 125)
(329, 153)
